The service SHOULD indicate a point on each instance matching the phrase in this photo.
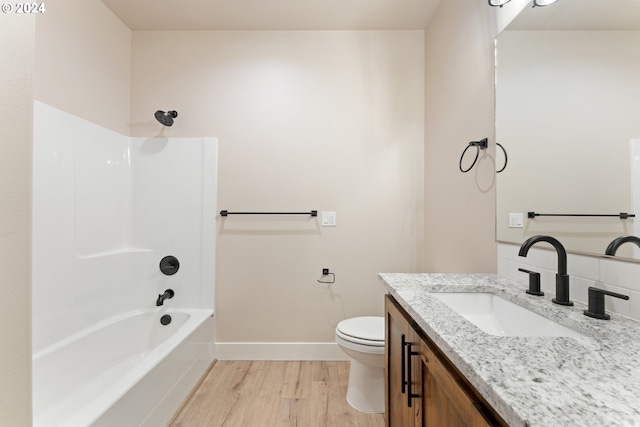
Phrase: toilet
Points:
(362, 339)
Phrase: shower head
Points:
(166, 118)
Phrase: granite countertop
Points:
(532, 381)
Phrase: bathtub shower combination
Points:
(118, 222)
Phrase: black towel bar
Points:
(225, 213)
(621, 215)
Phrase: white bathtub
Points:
(127, 371)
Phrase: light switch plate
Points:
(328, 219)
(516, 220)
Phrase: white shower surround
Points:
(106, 209)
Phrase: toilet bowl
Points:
(362, 339)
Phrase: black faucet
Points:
(562, 278)
(616, 243)
(168, 294)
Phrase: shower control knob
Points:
(169, 265)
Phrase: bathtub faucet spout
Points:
(168, 294)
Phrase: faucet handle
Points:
(596, 302)
(534, 282)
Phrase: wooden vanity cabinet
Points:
(423, 389)
(401, 410)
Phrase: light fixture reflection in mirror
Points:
(498, 3)
(543, 2)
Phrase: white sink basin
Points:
(497, 316)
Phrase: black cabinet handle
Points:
(410, 395)
(403, 365)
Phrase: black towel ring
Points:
(480, 145)
(506, 158)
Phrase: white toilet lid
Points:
(367, 328)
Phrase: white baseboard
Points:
(278, 351)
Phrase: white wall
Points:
(331, 121)
(459, 208)
(16, 110)
(83, 62)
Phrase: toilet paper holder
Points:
(326, 272)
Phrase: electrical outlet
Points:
(325, 271)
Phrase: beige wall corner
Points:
(459, 107)
(16, 123)
(83, 62)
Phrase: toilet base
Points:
(366, 387)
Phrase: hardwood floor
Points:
(274, 394)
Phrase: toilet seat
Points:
(366, 330)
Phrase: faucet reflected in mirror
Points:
(616, 243)
(562, 278)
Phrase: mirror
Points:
(568, 115)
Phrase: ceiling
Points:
(158, 15)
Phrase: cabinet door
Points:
(444, 401)
(403, 374)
